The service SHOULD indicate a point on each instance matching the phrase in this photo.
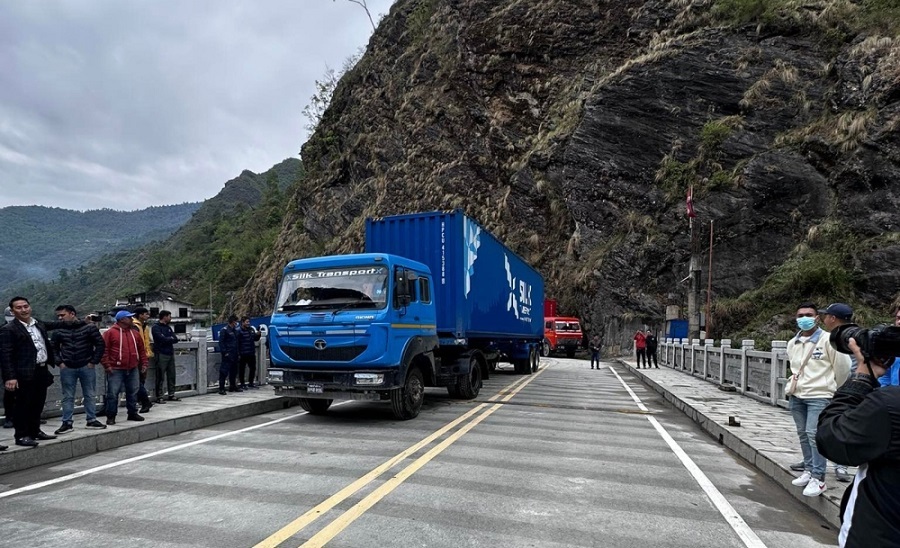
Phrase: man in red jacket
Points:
(123, 358)
(640, 348)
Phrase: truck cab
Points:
(562, 335)
(347, 327)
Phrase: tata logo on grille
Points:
(320, 344)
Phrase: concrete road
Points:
(566, 457)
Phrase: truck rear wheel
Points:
(469, 385)
(406, 402)
(315, 406)
(535, 361)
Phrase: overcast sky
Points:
(125, 104)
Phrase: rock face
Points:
(572, 130)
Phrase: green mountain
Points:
(41, 243)
(216, 249)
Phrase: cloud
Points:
(128, 104)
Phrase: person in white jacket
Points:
(820, 369)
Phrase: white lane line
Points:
(123, 462)
(737, 523)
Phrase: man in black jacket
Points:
(25, 354)
(76, 352)
(861, 427)
(164, 340)
(247, 337)
(228, 346)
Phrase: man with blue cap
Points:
(123, 358)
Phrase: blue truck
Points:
(435, 300)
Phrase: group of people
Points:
(645, 345)
(29, 348)
(847, 409)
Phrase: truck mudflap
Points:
(337, 385)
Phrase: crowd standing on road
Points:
(26, 353)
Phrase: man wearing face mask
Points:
(820, 370)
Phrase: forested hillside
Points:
(215, 250)
(41, 243)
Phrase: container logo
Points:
(473, 242)
(519, 304)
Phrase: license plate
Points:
(314, 388)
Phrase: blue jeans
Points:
(806, 417)
(116, 381)
(595, 358)
(88, 377)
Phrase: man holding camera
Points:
(819, 369)
(861, 426)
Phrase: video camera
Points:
(881, 341)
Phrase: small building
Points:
(184, 316)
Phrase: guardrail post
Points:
(746, 346)
(778, 348)
(262, 363)
(694, 344)
(723, 344)
(684, 344)
(198, 336)
(708, 344)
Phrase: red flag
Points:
(690, 203)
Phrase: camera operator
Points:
(861, 427)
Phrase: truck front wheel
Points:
(545, 348)
(315, 406)
(406, 402)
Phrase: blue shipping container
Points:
(482, 289)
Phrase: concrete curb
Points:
(16, 458)
(826, 507)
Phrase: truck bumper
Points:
(333, 385)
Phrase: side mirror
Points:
(401, 287)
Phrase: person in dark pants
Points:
(25, 354)
(595, 351)
(77, 352)
(123, 358)
(247, 337)
(228, 346)
(163, 358)
(650, 339)
(640, 348)
(141, 316)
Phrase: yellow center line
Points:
(313, 514)
(341, 522)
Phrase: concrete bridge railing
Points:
(757, 374)
(197, 364)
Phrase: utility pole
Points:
(693, 297)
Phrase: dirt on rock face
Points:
(572, 130)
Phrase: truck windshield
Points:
(333, 289)
(568, 326)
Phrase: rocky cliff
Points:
(573, 130)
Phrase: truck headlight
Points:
(276, 375)
(368, 379)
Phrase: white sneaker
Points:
(803, 479)
(814, 488)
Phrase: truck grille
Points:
(330, 354)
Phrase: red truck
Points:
(562, 334)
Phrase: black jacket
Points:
(228, 343)
(651, 342)
(247, 341)
(163, 339)
(861, 427)
(78, 347)
(17, 352)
